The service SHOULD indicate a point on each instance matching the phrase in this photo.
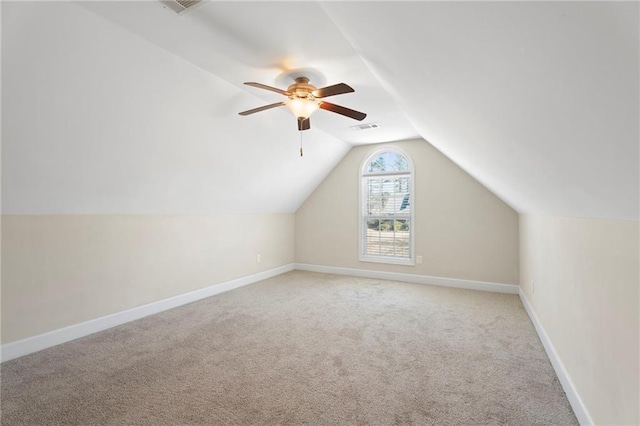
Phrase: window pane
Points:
(372, 237)
(403, 248)
(374, 206)
(388, 186)
(399, 163)
(387, 238)
(388, 162)
(377, 165)
(387, 197)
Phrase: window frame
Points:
(362, 217)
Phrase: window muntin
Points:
(386, 211)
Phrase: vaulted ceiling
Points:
(536, 100)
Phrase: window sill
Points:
(388, 260)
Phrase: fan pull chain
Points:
(301, 144)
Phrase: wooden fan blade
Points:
(262, 108)
(356, 115)
(265, 87)
(304, 124)
(336, 89)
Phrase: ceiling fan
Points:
(304, 99)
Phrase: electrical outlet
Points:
(257, 258)
(419, 260)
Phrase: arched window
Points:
(386, 208)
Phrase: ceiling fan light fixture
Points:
(302, 107)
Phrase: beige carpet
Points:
(301, 348)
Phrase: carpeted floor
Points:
(300, 348)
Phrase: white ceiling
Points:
(537, 100)
(261, 42)
(96, 120)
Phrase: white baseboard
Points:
(410, 278)
(42, 341)
(36, 343)
(565, 380)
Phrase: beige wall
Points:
(59, 270)
(462, 230)
(581, 277)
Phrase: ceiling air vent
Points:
(365, 126)
(180, 6)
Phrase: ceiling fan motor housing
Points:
(301, 88)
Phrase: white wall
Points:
(60, 270)
(581, 278)
(128, 175)
(462, 230)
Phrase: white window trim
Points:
(362, 257)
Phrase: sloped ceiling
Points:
(538, 101)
